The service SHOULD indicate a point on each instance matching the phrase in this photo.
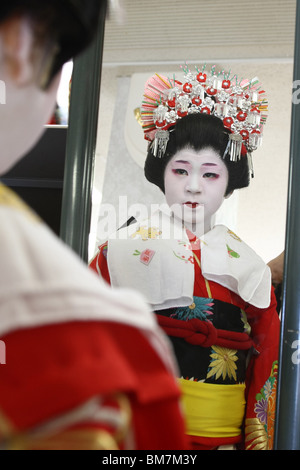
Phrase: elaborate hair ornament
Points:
(241, 105)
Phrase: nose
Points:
(194, 184)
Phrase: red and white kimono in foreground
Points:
(85, 367)
(214, 300)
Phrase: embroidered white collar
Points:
(155, 257)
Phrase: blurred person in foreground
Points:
(85, 367)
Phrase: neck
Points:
(198, 229)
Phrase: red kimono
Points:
(227, 341)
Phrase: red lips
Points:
(193, 205)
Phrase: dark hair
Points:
(71, 24)
(198, 131)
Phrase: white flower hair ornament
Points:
(242, 106)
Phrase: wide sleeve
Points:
(87, 385)
(262, 377)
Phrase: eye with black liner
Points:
(211, 175)
(180, 171)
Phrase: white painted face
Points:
(24, 107)
(195, 186)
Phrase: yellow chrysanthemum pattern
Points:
(223, 363)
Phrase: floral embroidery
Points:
(232, 253)
(233, 235)
(187, 259)
(192, 245)
(147, 232)
(104, 251)
(223, 363)
(260, 430)
(200, 308)
(145, 256)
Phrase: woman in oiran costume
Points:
(211, 293)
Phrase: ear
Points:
(16, 38)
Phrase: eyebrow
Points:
(184, 162)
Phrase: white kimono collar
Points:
(155, 257)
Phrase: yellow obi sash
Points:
(213, 410)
